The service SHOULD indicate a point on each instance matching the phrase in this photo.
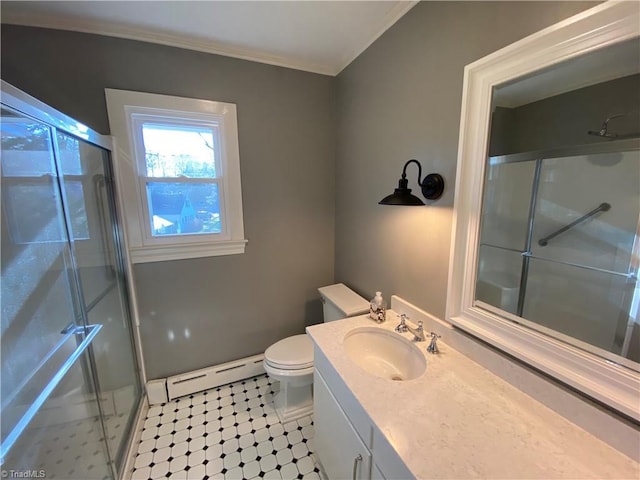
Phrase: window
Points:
(178, 169)
(178, 176)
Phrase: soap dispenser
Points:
(378, 309)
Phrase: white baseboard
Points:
(210, 377)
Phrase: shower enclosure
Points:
(559, 244)
(70, 381)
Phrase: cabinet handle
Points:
(356, 461)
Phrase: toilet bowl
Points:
(290, 360)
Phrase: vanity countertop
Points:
(459, 420)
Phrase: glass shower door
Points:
(87, 185)
(560, 242)
(503, 237)
(580, 280)
(70, 381)
(51, 420)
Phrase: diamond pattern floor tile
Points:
(230, 432)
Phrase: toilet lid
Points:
(291, 353)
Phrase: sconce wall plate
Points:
(432, 186)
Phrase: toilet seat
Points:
(291, 353)
(298, 375)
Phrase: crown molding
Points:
(111, 29)
(161, 38)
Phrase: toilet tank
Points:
(339, 301)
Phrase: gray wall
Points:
(401, 99)
(220, 308)
(565, 119)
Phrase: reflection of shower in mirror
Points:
(558, 255)
(604, 129)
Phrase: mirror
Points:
(561, 202)
(546, 221)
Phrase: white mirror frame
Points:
(599, 27)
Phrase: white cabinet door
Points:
(338, 447)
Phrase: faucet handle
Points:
(420, 324)
(402, 326)
(433, 345)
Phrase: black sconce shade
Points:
(432, 187)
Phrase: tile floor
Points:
(230, 432)
(61, 451)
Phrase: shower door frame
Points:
(539, 156)
(29, 106)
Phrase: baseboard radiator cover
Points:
(211, 377)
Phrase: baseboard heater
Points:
(211, 377)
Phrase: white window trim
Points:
(598, 377)
(143, 247)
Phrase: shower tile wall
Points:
(230, 432)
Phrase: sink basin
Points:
(384, 354)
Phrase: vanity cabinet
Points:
(417, 429)
(340, 449)
(345, 438)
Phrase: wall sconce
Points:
(432, 188)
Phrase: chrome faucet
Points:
(433, 345)
(402, 327)
(418, 333)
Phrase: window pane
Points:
(184, 208)
(175, 151)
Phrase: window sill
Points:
(182, 252)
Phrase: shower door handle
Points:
(356, 461)
(102, 199)
(603, 207)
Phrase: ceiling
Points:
(315, 36)
(601, 65)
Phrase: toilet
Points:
(290, 361)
